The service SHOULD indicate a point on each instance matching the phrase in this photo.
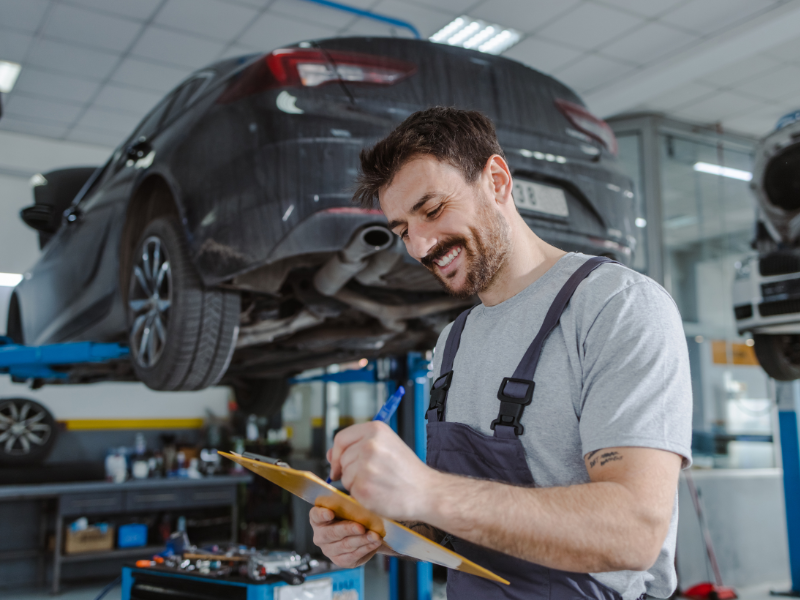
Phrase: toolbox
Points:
(324, 582)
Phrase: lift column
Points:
(788, 396)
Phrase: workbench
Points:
(98, 499)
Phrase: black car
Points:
(219, 240)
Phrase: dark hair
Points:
(463, 138)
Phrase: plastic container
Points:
(133, 535)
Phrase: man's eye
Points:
(404, 235)
(434, 212)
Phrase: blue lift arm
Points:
(35, 362)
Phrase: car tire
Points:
(27, 432)
(182, 335)
(262, 397)
(779, 355)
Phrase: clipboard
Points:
(400, 539)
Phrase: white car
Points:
(766, 293)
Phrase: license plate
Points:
(319, 589)
(540, 198)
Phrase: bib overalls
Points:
(459, 449)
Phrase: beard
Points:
(485, 251)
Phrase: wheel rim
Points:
(149, 302)
(22, 427)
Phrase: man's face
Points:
(452, 227)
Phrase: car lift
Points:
(407, 580)
(36, 362)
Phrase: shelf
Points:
(143, 552)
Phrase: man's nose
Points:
(419, 244)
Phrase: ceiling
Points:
(92, 68)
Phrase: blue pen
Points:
(388, 409)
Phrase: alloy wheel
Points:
(22, 426)
(149, 302)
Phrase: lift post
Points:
(788, 397)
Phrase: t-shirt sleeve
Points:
(637, 387)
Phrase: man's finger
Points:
(330, 534)
(343, 440)
(352, 559)
(321, 516)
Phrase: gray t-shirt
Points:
(614, 372)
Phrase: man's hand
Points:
(381, 471)
(346, 543)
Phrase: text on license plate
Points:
(540, 198)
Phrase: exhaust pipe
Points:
(352, 259)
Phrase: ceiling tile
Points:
(176, 48)
(108, 139)
(109, 120)
(742, 70)
(130, 99)
(717, 107)
(23, 15)
(426, 20)
(32, 126)
(211, 18)
(789, 51)
(591, 72)
(542, 55)
(455, 6)
(523, 16)
(90, 28)
(272, 31)
(708, 16)
(237, 50)
(53, 111)
(66, 58)
(37, 82)
(773, 86)
(757, 123)
(140, 10)
(14, 45)
(589, 26)
(681, 96)
(648, 43)
(369, 27)
(148, 75)
(305, 11)
(646, 8)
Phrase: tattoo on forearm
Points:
(603, 459)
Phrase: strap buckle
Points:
(439, 394)
(511, 407)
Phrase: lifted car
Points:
(766, 292)
(219, 240)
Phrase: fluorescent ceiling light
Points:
(475, 34)
(10, 279)
(9, 72)
(723, 171)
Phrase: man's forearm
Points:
(587, 528)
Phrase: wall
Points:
(744, 510)
(22, 156)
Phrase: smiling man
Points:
(560, 415)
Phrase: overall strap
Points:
(516, 392)
(442, 384)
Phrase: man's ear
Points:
(500, 177)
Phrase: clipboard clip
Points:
(265, 459)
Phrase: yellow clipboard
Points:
(401, 539)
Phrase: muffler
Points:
(352, 259)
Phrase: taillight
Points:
(311, 67)
(587, 123)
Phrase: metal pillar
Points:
(409, 580)
(788, 396)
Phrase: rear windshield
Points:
(508, 92)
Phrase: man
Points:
(567, 488)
